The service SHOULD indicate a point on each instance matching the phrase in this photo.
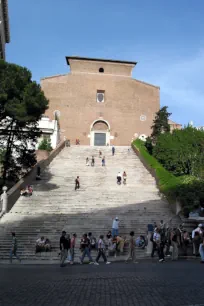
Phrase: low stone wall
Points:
(14, 192)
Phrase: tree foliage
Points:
(22, 104)
(45, 144)
(187, 189)
(181, 152)
(160, 123)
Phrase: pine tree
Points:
(160, 123)
(22, 103)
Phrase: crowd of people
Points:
(170, 241)
(165, 242)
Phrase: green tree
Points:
(45, 145)
(160, 123)
(22, 103)
(181, 152)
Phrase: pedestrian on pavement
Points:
(115, 227)
(185, 238)
(72, 247)
(131, 253)
(124, 178)
(69, 258)
(92, 161)
(100, 154)
(168, 240)
(77, 183)
(154, 244)
(119, 178)
(174, 244)
(201, 250)
(63, 248)
(87, 161)
(113, 150)
(14, 248)
(92, 242)
(101, 251)
(103, 161)
(85, 248)
(196, 237)
(159, 244)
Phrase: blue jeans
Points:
(201, 251)
(14, 253)
(86, 252)
(114, 232)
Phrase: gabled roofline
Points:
(97, 60)
(6, 20)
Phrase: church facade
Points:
(100, 103)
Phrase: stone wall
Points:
(14, 192)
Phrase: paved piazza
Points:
(146, 283)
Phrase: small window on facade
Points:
(101, 70)
(100, 96)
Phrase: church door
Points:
(99, 139)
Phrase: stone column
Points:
(4, 201)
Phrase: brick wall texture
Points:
(126, 100)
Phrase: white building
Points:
(50, 130)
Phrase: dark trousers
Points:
(160, 251)
(153, 248)
(77, 186)
(101, 253)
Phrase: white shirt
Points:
(196, 230)
(101, 244)
(156, 237)
(115, 224)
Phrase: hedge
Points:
(188, 190)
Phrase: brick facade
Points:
(127, 102)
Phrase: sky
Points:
(166, 38)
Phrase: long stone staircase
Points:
(55, 205)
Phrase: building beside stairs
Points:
(4, 27)
(100, 103)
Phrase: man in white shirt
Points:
(115, 227)
(196, 236)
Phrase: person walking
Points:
(100, 154)
(201, 250)
(196, 234)
(115, 227)
(63, 248)
(113, 150)
(119, 178)
(77, 183)
(174, 244)
(101, 251)
(14, 248)
(124, 178)
(85, 248)
(87, 161)
(72, 247)
(103, 162)
(131, 253)
(92, 161)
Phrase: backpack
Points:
(93, 242)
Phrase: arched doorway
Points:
(100, 133)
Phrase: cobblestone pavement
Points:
(146, 283)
